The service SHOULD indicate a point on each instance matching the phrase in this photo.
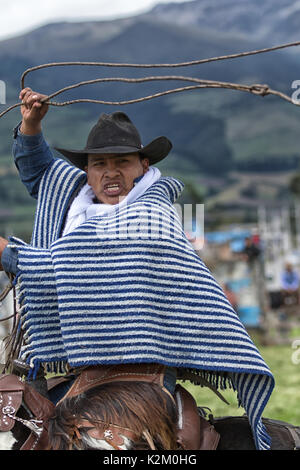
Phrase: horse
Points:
(235, 434)
(123, 415)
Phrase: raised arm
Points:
(31, 152)
(32, 157)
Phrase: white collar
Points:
(83, 207)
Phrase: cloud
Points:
(18, 16)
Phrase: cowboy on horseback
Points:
(123, 312)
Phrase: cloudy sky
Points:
(18, 16)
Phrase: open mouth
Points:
(113, 189)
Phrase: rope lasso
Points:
(180, 64)
(257, 89)
(4, 294)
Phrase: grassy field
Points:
(285, 399)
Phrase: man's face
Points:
(111, 177)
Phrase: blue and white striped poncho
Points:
(109, 293)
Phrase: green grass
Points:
(285, 399)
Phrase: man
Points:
(289, 284)
(109, 276)
(251, 251)
(290, 279)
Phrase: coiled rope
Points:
(257, 89)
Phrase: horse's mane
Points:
(143, 408)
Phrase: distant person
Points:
(256, 239)
(290, 283)
(251, 251)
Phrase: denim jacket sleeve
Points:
(32, 157)
(9, 260)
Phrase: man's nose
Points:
(111, 167)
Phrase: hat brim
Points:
(156, 151)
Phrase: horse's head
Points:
(106, 408)
(118, 415)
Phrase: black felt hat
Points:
(115, 134)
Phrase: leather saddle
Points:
(13, 393)
(193, 431)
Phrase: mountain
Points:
(215, 133)
(270, 21)
(168, 33)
